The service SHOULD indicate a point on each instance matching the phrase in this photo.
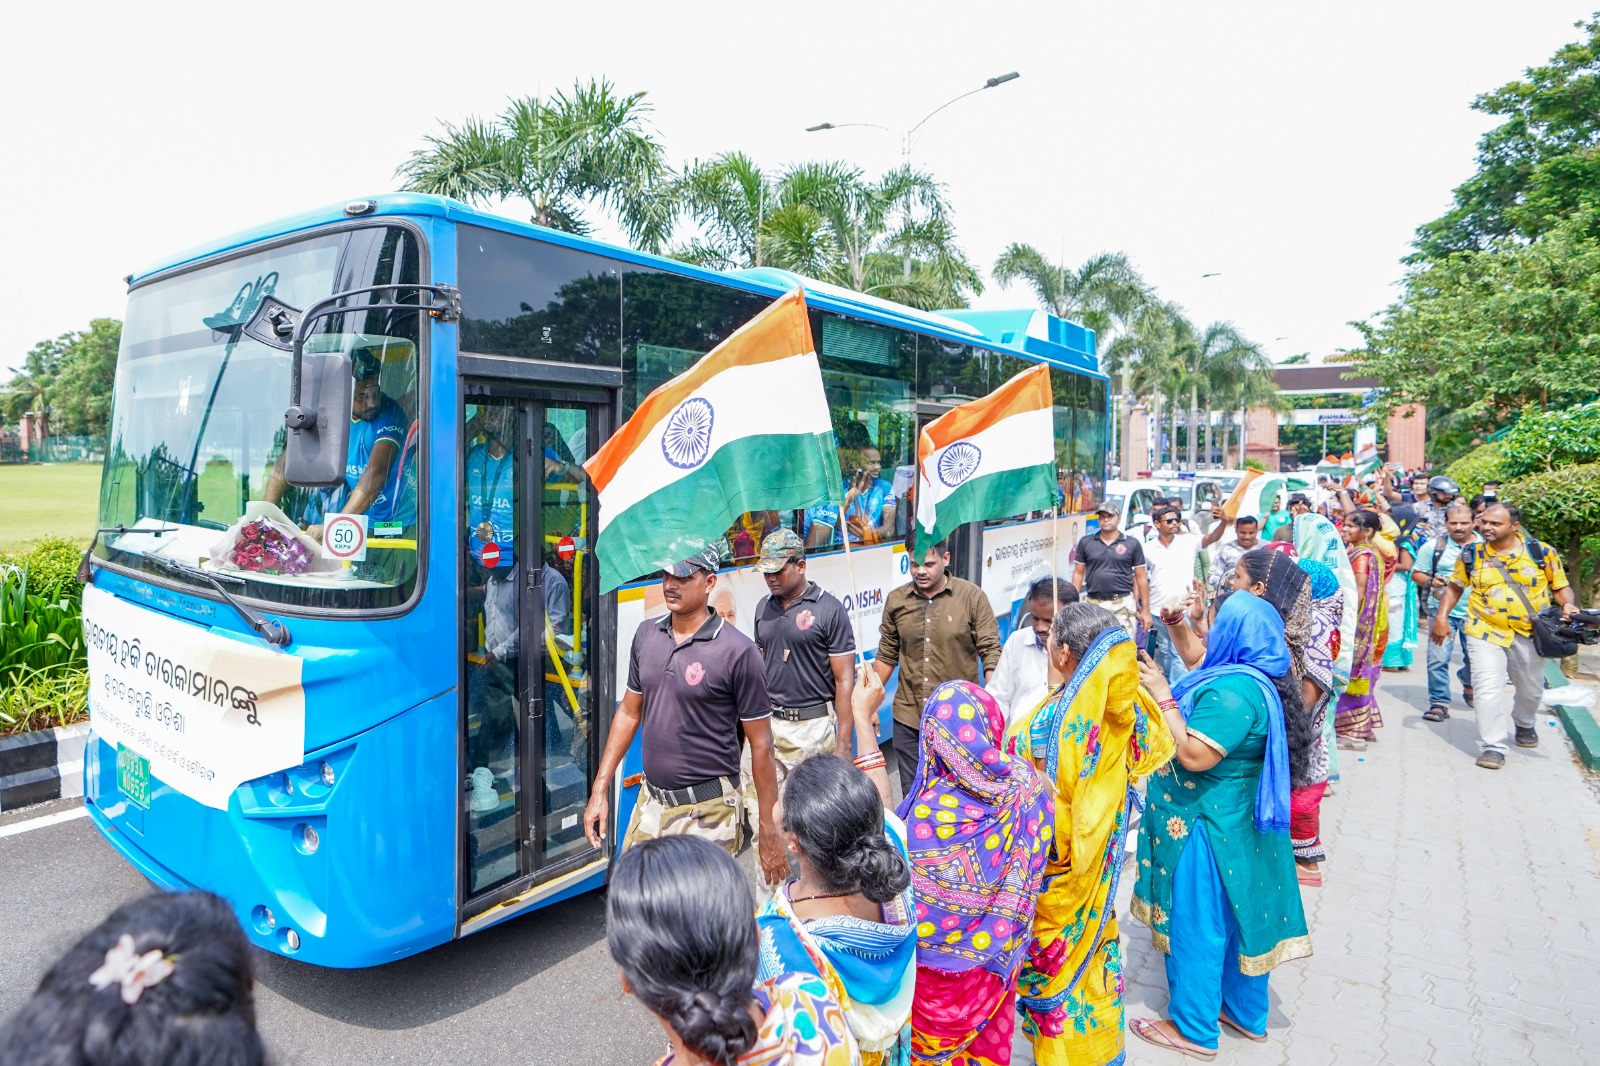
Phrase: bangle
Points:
(873, 760)
(1168, 704)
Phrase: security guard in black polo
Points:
(694, 685)
(809, 648)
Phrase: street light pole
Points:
(908, 136)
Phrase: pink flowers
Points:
(262, 547)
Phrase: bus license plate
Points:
(133, 776)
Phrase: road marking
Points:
(45, 820)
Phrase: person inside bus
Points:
(165, 979)
(870, 506)
(491, 500)
(372, 473)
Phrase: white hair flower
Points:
(134, 972)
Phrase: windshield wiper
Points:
(271, 630)
(85, 565)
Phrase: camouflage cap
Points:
(780, 546)
(707, 559)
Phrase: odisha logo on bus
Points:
(687, 439)
(864, 599)
(958, 462)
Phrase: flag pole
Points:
(1055, 546)
(855, 592)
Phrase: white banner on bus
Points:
(208, 711)
(1016, 556)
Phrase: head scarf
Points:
(1315, 538)
(1248, 640)
(1323, 581)
(1289, 590)
(979, 825)
(1406, 519)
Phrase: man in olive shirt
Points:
(937, 628)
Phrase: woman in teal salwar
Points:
(1217, 882)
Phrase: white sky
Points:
(1291, 147)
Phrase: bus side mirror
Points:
(319, 425)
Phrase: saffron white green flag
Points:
(1367, 460)
(1254, 499)
(746, 428)
(990, 458)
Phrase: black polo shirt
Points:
(798, 643)
(1108, 568)
(695, 695)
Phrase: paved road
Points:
(1460, 923)
(1459, 920)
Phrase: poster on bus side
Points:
(1015, 556)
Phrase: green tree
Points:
(729, 198)
(69, 379)
(1490, 333)
(559, 154)
(1101, 293)
(893, 237)
(1539, 164)
(1561, 507)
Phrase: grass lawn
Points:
(49, 498)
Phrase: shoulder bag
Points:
(1548, 640)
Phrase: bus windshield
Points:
(193, 464)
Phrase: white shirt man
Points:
(1170, 560)
(1022, 679)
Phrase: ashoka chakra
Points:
(958, 463)
(687, 439)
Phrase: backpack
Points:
(1536, 551)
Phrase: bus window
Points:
(197, 428)
(558, 304)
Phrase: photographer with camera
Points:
(1508, 580)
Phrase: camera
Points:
(1581, 628)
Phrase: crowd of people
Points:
(1154, 714)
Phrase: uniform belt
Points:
(803, 714)
(697, 793)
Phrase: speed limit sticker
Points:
(344, 537)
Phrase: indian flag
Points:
(1253, 496)
(745, 429)
(990, 458)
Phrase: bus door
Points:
(530, 636)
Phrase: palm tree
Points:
(1147, 354)
(1102, 290)
(559, 154)
(1211, 358)
(730, 199)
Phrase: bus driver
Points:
(372, 470)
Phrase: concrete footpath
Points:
(1459, 920)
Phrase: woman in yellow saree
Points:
(1091, 738)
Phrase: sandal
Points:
(1352, 744)
(1150, 1031)
(1437, 713)
(1260, 1038)
(1466, 694)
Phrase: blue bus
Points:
(350, 668)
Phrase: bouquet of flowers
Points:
(261, 547)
